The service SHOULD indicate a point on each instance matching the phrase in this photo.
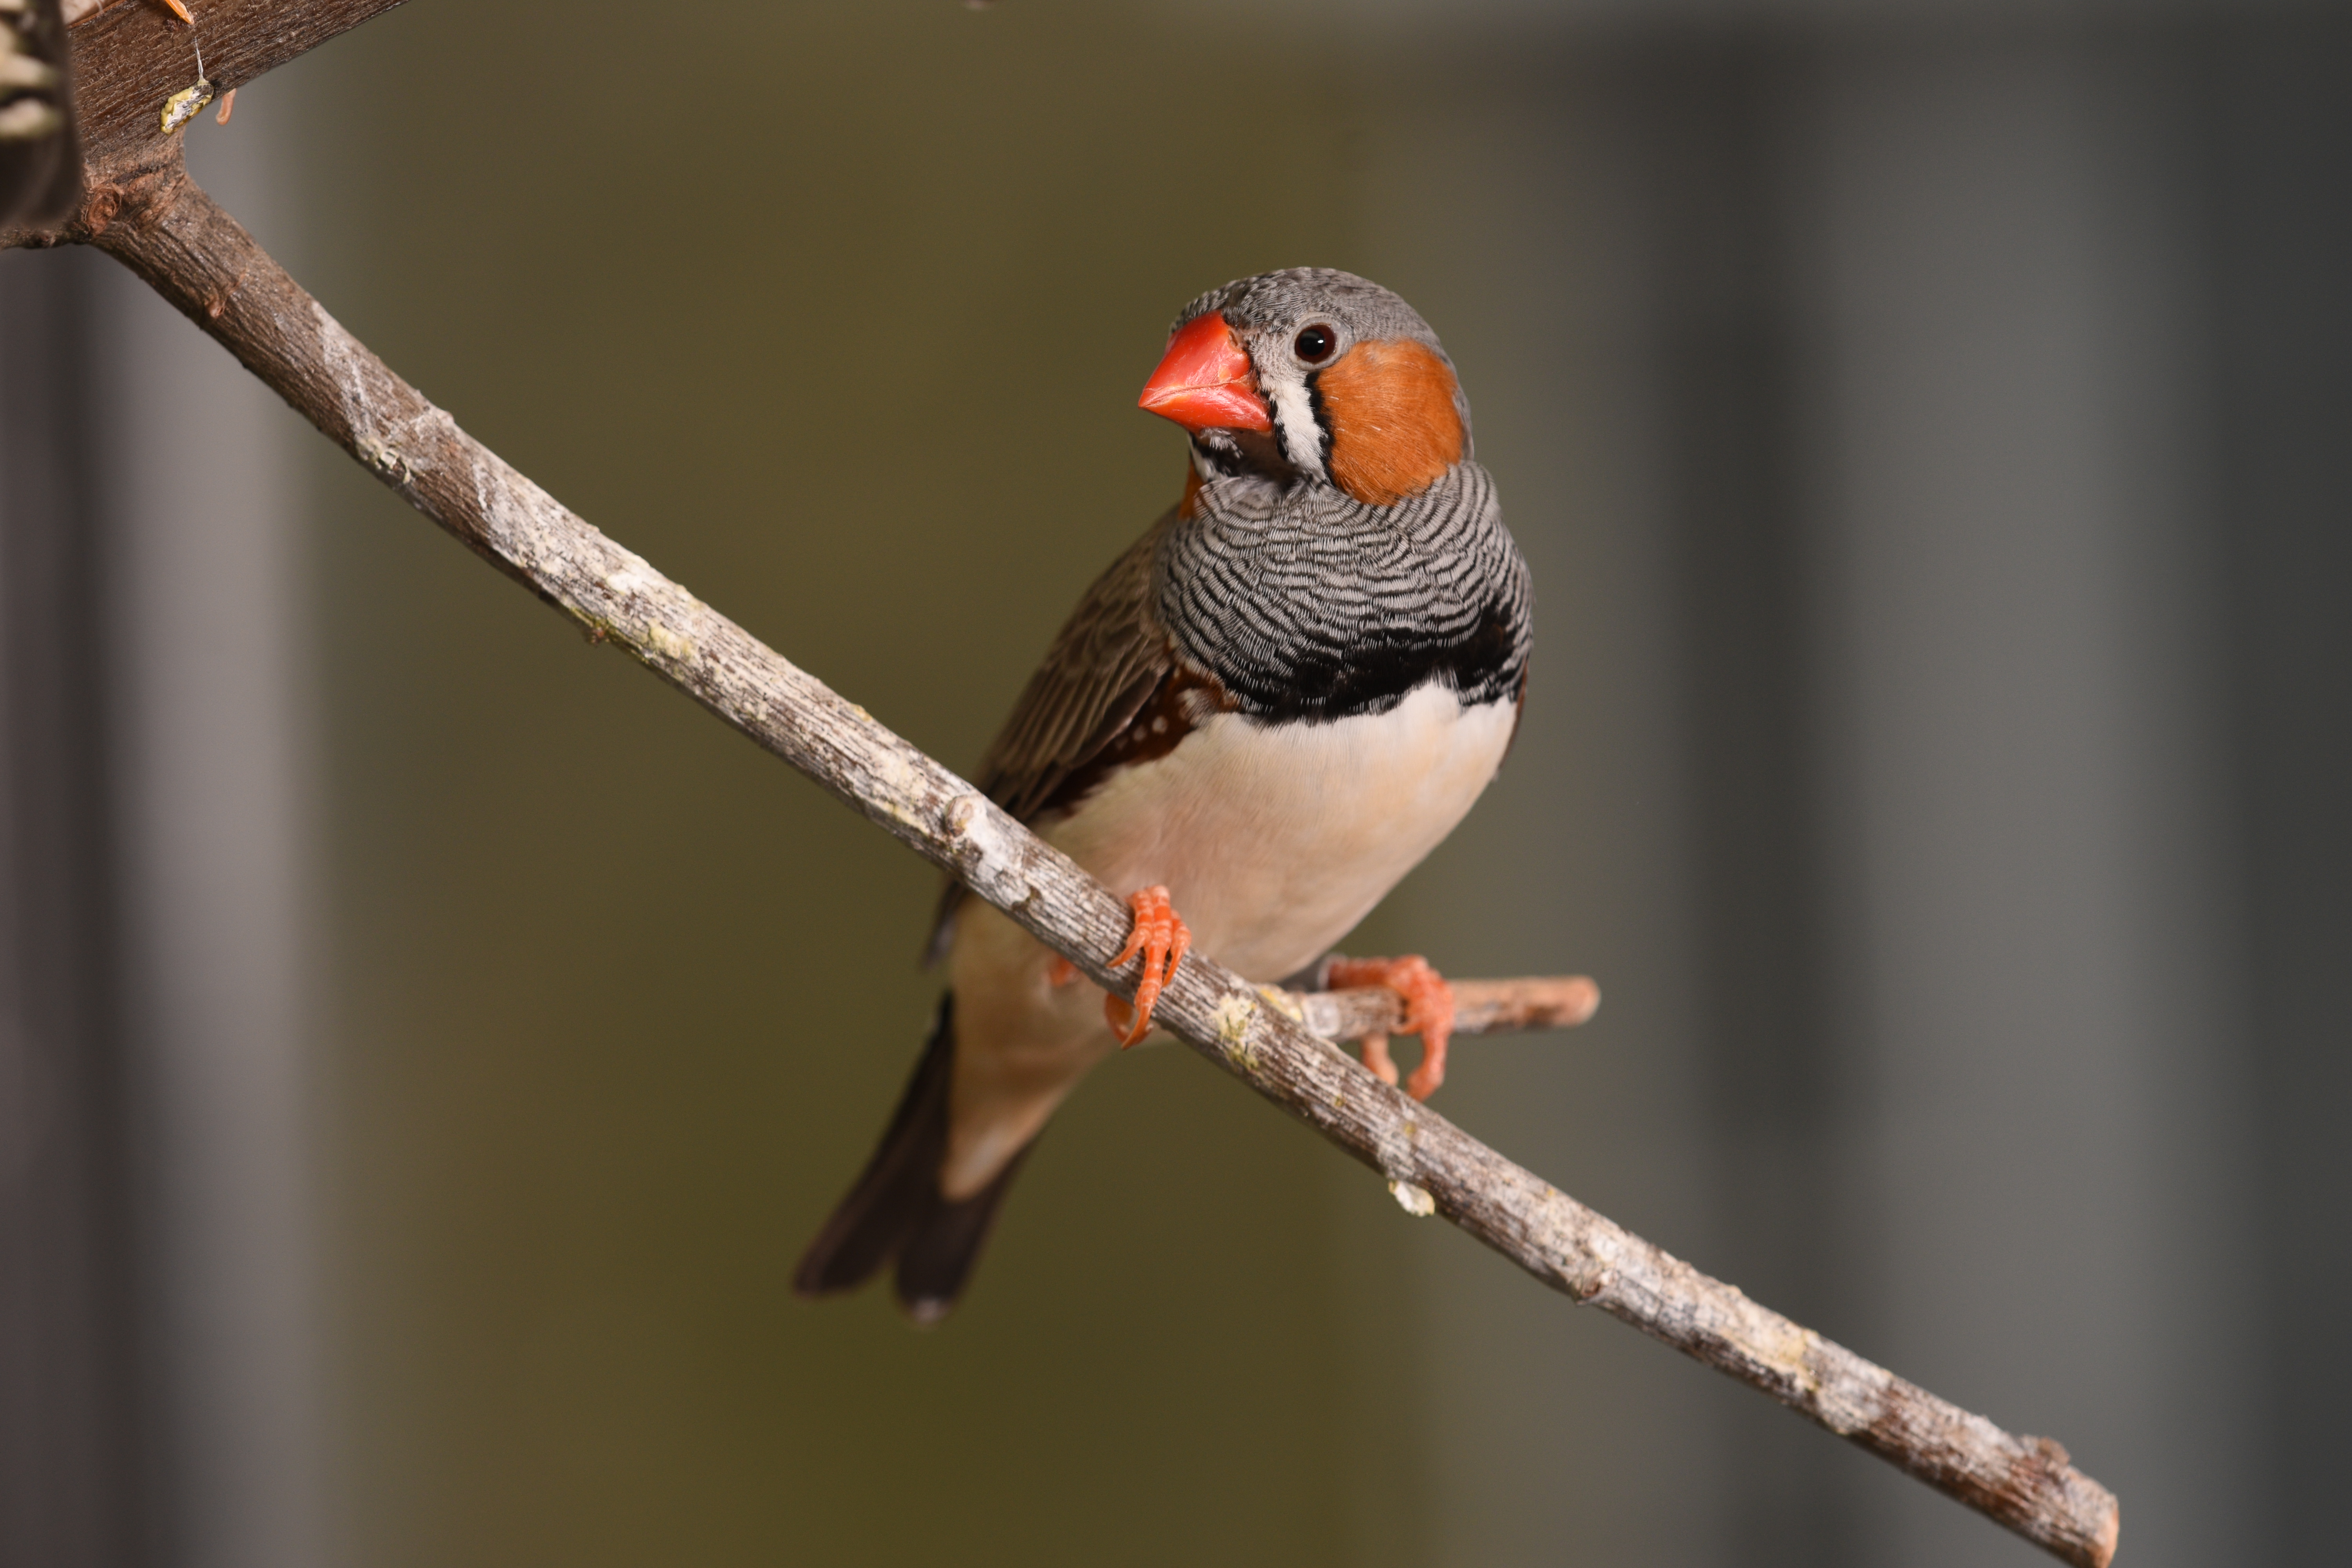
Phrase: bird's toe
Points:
(1160, 937)
(1428, 1013)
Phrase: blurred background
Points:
(427, 1042)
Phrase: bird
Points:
(1270, 708)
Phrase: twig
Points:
(163, 227)
(1480, 1007)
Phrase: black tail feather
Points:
(937, 1258)
(896, 1209)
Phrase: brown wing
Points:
(1109, 658)
(1102, 667)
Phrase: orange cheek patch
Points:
(1393, 428)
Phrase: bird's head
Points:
(1316, 377)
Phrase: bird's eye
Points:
(1314, 344)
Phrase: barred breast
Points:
(1307, 604)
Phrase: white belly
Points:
(1273, 842)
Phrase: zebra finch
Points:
(1264, 714)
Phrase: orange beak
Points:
(1203, 381)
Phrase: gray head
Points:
(1311, 374)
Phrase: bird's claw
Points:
(1428, 1013)
(1161, 937)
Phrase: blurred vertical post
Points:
(2279, 110)
(73, 1475)
(157, 1353)
(206, 668)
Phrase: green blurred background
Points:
(1925, 422)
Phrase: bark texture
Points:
(172, 235)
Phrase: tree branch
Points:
(143, 209)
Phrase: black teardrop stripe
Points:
(1307, 604)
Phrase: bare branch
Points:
(200, 259)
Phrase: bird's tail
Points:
(897, 1211)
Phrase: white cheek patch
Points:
(1294, 420)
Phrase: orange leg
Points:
(1161, 937)
(1428, 1013)
(1060, 972)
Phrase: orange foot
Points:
(1428, 1013)
(1162, 936)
